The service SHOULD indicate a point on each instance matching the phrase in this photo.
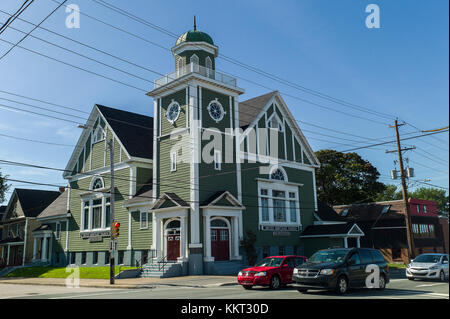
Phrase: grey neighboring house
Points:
(18, 222)
(50, 243)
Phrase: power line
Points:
(13, 17)
(35, 141)
(26, 35)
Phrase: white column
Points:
(158, 237)
(183, 238)
(7, 258)
(67, 235)
(129, 230)
(44, 249)
(235, 230)
(34, 248)
(207, 223)
(345, 242)
(357, 242)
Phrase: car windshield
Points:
(270, 262)
(427, 259)
(328, 256)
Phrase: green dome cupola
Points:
(196, 47)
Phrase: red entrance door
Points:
(173, 247)
(220, 244)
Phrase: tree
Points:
(3, 187)
(391, 192)
(433, 194)
(346, 178)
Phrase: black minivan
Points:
(342, 268)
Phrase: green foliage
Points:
(249, 245)
(346, 178)
(391, 192)
(4, 187)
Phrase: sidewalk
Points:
(131, 283)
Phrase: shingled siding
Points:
(141, 239)
(250, 172)
(58, 245)
(122, 185)
(178, 181)
(143, 177)
(98, 155)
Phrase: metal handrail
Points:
(164, 262)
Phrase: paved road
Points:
(397, 289)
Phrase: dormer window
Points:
(275, 123)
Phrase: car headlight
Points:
(260, 274)
(240, 273)
(295, 271)
(327, 272)
(435, 267)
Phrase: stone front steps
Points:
(171, 269)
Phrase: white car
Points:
(428, 266)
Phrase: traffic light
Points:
(116, 229)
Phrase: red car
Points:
(272, 271)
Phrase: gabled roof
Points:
(135, 131)
(57, 208)
(34, 201)
(249, 109)
(334, 230)
(327, 213)
(172, 197)
(216, 197)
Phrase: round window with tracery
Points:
(216, 111)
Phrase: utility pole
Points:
(405, 195)
(112, 245)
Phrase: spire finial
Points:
(195, 25)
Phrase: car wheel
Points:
(382, 282)
(247, 287)
(275, 282)
(442, 276)
(342, 285)
(302, 290)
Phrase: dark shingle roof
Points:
(327, 213)
(34, 201)
(135, 131)
(371, 211)
(249, 109)
(144, 194)
(57, 207)
(212, 198)
(329, 229)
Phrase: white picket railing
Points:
(195, 68)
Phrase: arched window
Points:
(173, 224)
(97, 183)
(218, 223)
(194, 59)
(208, 63)
(278, 175)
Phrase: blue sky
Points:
(400, 69)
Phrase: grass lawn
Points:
(397, 265)
(60, 272)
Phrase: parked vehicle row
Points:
(338, 270)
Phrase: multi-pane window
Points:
(144, 220)
(278, 204)
(217, 160)
(58, 230)
(173, 161)
(96, 213)
(424, 230)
